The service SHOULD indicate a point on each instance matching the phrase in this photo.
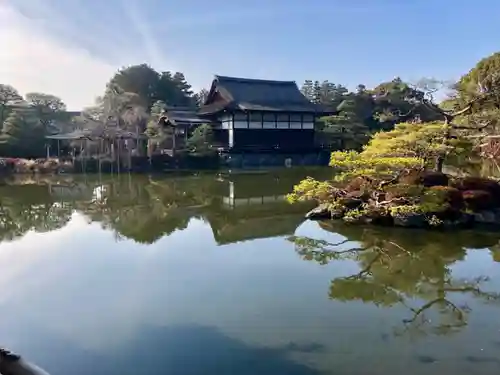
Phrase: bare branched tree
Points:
(482, 97)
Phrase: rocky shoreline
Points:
(414, 199)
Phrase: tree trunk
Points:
(447, 135)
(439, 163)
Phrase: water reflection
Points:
(145, 209)
(197, 275)
(413, 269)
(180, 350)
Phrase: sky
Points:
(70, 48)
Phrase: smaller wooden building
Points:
(180, 122)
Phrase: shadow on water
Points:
(180, 350)
(409, 269)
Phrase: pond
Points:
(217, 274)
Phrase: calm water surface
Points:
(218, 275)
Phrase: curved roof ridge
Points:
(253, 80)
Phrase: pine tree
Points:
(307, 89)
(201, 97)
(153, 129)
(186, 94)
(22, 133)
(13, 128)
(347, 125)
(201, 140)
(8, 96)
(316, 92)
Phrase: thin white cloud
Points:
(34, 61)
(71, 55)
(49, 47)
(151, 46)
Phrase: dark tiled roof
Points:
(73, 113)
(99, 132)
(259, 95)
(180, 116)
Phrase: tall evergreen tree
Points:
(316, 92)
(8, 96)
(307, 89)
(186, 97)
(22, 133)
(201, 97)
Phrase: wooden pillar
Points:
(84, 158)
(231, 132)
(100, 147)
(129, 154)
(111, 146)
(118, 156)
(174, 136)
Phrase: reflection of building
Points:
(71, 192)
(251, 210)
(233, 201)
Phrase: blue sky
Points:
(348, 42)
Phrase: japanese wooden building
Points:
(181, 122)
(255, 114)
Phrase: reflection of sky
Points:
(80, 286)
(98, 193)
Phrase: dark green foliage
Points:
(365, 111)
(201, 141)
(152, 86)
(138, 79)
(483, 78)
(307, 89)
(129, 98)
(22, 134)
(153, 129)
(201, 97)
(25, 123)
(403, 190)
(325, 93)
(185, 88)
(446, 194)
(48, 109)
(9, 96)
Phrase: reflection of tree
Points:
(29, 208)
(141, 209)
(402, 268)
(145, 209)
(136, 208)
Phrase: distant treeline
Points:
(136, 95)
